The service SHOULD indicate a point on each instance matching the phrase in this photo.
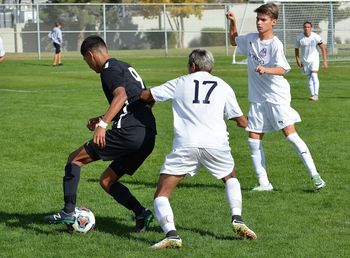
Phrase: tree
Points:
(175, 14)
(73, 18)
(85, 18)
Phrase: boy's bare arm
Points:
(297, 58)
(233, 27)
(324, 55)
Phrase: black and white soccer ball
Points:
(84, 220)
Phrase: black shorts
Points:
(57, 48)
(127, 147)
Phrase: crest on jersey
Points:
(263, 52)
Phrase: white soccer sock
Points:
(311, 85)
(303, 152)
(316, 82)
(234, 196)
(164, 214)
(258, 157)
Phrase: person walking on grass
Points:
(269, 93)
(200, 103)
(56, 36)
(127, 144)
(307, 42)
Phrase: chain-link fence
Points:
(169, 27)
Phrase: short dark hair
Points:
(307, 22)
(269, 9)
(92, 43)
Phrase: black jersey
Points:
(135, 112)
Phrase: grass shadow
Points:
(210, 233)
(35, 222)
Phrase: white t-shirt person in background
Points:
(269, 93)
(56, 36)
(2, 51)
(200, 103)
(307, 42)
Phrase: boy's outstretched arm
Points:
(233, 27)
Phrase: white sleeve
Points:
(318, 39)
(165, 91)
(59, 36)
(281, 60)
(232, 108)
(241, 42)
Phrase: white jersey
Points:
(56, 35)
(200, 103)
(308, 47)
(268, 53)
(2, 50)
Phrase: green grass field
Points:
(43, 115)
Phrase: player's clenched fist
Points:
(230, 16)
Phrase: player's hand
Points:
(260, 69)
(100, 137)
(91, 125)
(299, 63)
(231, 16)
(325, 65)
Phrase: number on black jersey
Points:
(136, 76)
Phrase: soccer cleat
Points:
(242, 230)
(168, 242)
(261, 188)
(143, 221)
(61, 218)
(317, 182)
(313, 98)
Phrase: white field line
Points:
(18, 91)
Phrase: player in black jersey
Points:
(127, 144)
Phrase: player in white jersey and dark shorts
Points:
(269, 93)
(127, 144)
(200, 103)
(307, 42)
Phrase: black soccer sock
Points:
(70, 186)
(171, 233)
(237, 219)
(123, 196)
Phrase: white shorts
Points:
(267, 117)
(310, 67)
(187, 161)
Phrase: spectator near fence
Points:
(56, 36)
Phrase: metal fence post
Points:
(165, 31)
(226, 30)
(104, 23)
(38, 30)
(284, 29)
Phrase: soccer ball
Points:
(84, 220)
